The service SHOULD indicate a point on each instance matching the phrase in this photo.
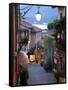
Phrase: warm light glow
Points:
(58, 36)
(29, 41)
(32, 57)
(38, 16)
(55, 61)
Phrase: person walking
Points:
(23, 62)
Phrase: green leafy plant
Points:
(58, 25)
(50, 25)
(24, 41)
(48, 65)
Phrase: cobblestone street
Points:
(37, 75)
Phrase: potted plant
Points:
(48, 64)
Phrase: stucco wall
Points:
(35, 37)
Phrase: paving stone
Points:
(37, 75)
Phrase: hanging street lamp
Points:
(38, 15)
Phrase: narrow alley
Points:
(38, 76)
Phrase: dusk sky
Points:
(48, 14)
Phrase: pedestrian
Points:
(22, 67)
